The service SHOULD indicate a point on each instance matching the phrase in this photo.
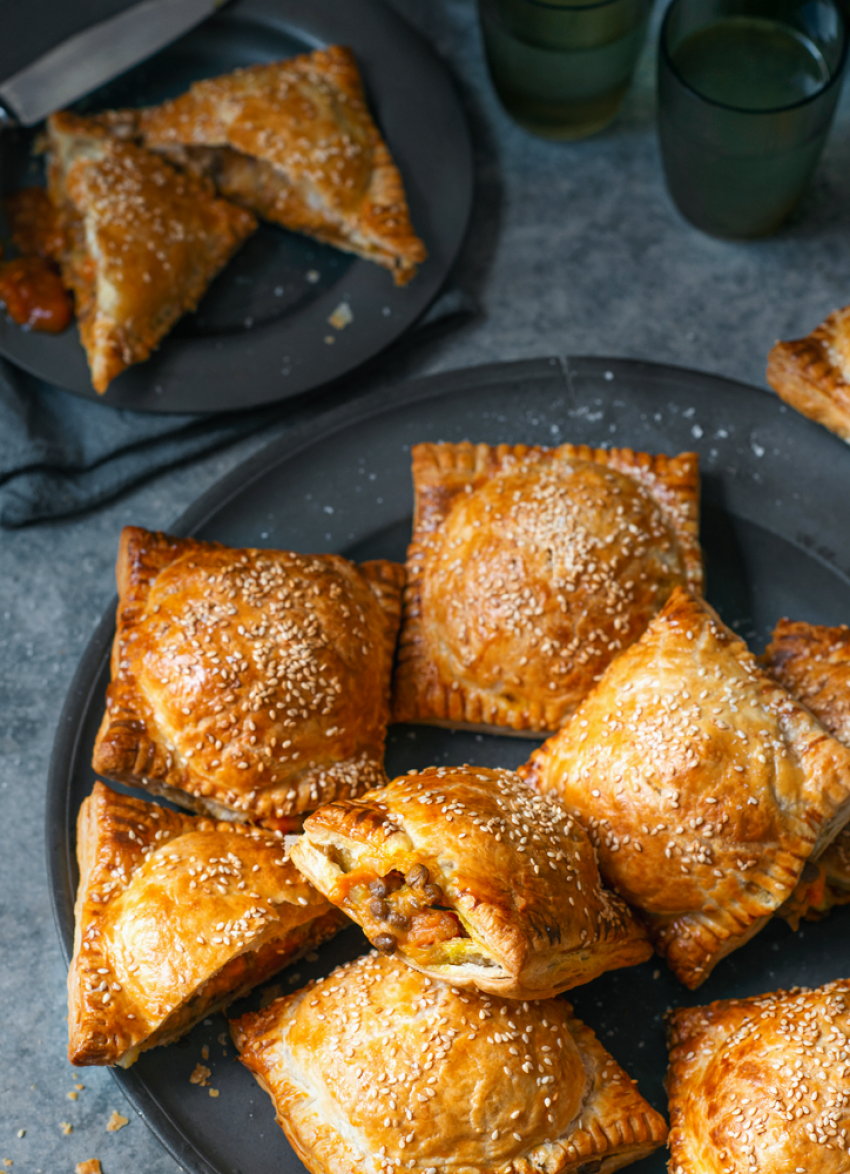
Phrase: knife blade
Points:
(99, 53)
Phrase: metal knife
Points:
(96, 55)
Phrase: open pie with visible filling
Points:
(292, 141)
(473, 878)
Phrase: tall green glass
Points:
(747, 92)
(562, 68)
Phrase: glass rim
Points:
(584, 7)
(834, 77)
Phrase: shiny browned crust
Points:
(704, 784)
(511, 683)
(759, 1083)
(811, 373)
(460, 1062)
(531, 901)
(812, 661)
(293, 141)
(144, 241)
(127, 993)
(331, 745)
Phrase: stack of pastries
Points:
(685, 794)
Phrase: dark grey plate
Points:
(260, 333)
(775, 492)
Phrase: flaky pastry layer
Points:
(812, 374)
(175, 916)
(379, 1068)
(529, 570)
(704, 784)
(761, 1084)
(473, 878)
(248, 684)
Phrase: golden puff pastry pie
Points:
(530, 569)
(143, 241)
(812, 374)
(812, 661)
(176, 916)
(705, 786)
(379, 1068)
(473, 878)
(294, 142)
(248, 684)
(762, 1085)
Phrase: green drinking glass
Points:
(561, 68)
(747, 91)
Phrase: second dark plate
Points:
(776, 542)
(261, 332)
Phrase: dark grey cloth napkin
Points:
(60, 454)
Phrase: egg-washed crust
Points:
(376, 1068)
(704, 784)
(499, 887)
(812, 374)
(812, 661)
(761, 1084)
(292, 141)
(143, 241)
(525, 695)
(241, 742)
(164, 938)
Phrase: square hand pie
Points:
(176, 916)
(812, 374)
(248, 684)
(377, 1068)
(472, 878)
(144, 241)
(760, 1085)
(704, 784)
(529, 570)
(293, 141)
(812, 661)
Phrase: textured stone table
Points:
(572, 249)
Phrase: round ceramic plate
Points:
(262, 333)
(776, 542)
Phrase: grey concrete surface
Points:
(573, 248)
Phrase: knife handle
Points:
(7, 118)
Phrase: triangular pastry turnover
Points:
(143, 240)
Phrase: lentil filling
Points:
(399, 911)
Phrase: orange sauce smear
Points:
(34, 295)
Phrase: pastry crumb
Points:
(329, 338)
(312, 956)
(80, 1087)
(66, 1127)
(293, 978)
(656, 974)
(116, 1122)
(341, 317)
(312, 275)
(92, 1166)
(213, 1092)
(7, 1162)
(72, 1096)
(223, 1038)
(205, 1052)
(201, 1075)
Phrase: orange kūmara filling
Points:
(397, 910)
